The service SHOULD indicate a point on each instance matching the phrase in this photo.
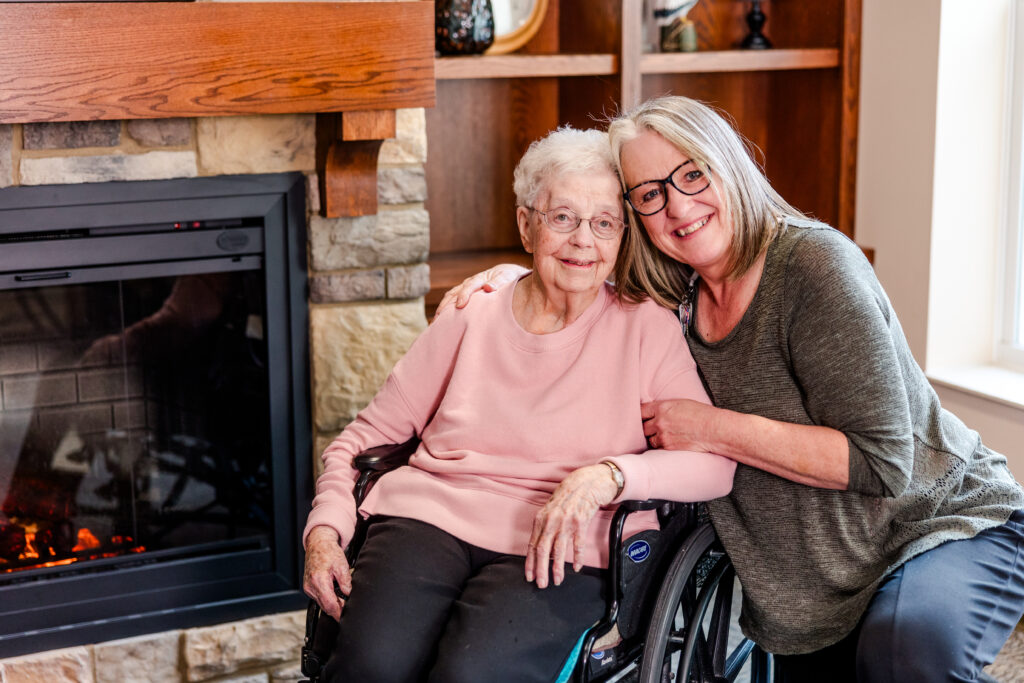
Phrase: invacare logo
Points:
(638, 551)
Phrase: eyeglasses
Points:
(650, 197)
(566, 220)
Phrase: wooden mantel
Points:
(90, 61)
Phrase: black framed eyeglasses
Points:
(565, 220)
(651, 196)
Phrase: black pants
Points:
(427, 607)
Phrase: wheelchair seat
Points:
(667, 617)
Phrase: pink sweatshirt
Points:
(504, 415)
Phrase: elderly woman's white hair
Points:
(563, 151)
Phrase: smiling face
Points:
(695, 230)
(575, 262)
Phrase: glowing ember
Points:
(86, 540)
(38, 545)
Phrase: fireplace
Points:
(154, 411)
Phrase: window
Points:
(1010, 347)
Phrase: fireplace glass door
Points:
(134, 418)
(155, 455)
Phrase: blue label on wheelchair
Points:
(597, 655)
(638, 551)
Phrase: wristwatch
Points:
(620, 481)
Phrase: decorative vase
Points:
(463, 27)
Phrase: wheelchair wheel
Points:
(688, 636)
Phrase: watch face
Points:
(510, 15)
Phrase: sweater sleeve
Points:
(401, 409)
(668, 371)
(842, 337)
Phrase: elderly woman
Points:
(876, 538)
(528, 408)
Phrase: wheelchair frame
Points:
(688, 624)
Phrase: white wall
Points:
(934, 240)
(895, 154)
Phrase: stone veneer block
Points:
(409, 146)
(288, 674)
(354, 348)
(312, 193)
(71, 135)
(401, 184)
(340, 287)
(259, 642)
(160, 132)
(140, 660)
(99, 169)
(408, 282)
(257, 144)
(6, 155)
(392, 236)
(73, 665)
(251, 678)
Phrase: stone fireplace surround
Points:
(367, 279)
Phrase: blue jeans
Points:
(942, 616)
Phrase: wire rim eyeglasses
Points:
(651, 196)
(564, 220)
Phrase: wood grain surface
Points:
(91, 61)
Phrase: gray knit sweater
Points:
(820, 344)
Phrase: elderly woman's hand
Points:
(490, 280)
(325, 566)
(679, 424)
(564, 520)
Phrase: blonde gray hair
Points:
(757, 212)
(563, 151)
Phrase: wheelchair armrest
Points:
(639, 505)
(386, 457)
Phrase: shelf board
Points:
(539, 66)
(525, 66)
(739, 60)
(450, 269)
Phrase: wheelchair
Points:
(667, 619)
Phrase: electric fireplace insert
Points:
(154, 421)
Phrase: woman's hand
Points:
(679, 424)
(808, 454)
(490, 280)
(564, 520)
(325, 566)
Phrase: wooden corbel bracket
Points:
(347, 146)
